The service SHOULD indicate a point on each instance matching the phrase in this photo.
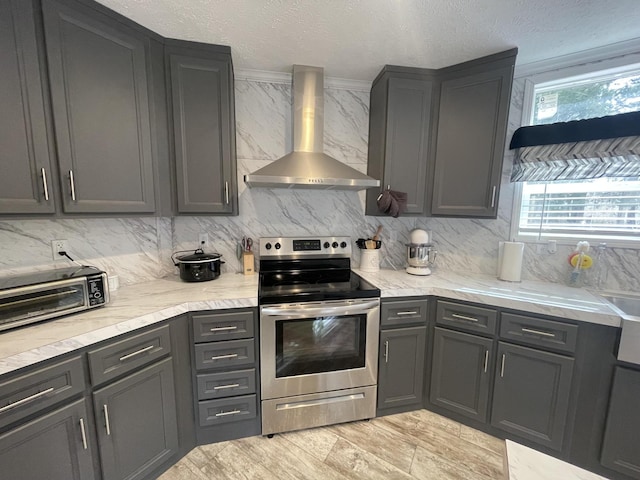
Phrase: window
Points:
(606, 209)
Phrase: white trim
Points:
(265, 76)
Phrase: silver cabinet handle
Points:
(538, 332)
(142, 350)
(106, 419)
(222, 357)
(28, 399)
(386, 351)
(406, 313)
(464, 317)
(486, 360)
(493, 196)
(84, 434)
(226, 192)
(45, 188)
(72, 185)
(502, 366)
(222, 387)
(223, 329)
(231, 412)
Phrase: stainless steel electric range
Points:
(319, 329)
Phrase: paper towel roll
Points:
(510, 263)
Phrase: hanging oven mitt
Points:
(392, 202)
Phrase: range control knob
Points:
(343, 244)
(326, 245)
(278, 246)
(268, 246)
(334, 244)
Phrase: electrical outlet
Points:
(203, 240)
(58, 246)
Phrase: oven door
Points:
(318, 346)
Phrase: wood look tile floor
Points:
(414, 445)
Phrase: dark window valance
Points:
(577, 150)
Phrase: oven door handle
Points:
(318, 311)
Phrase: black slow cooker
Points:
(199, 266)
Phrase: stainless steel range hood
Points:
(307, 166)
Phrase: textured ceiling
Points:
(353, 39)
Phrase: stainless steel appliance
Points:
(319, 329)
(420, 253)
(199, 266)
(40, 296)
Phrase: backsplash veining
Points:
(138, 249)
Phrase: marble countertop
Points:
(137, 306)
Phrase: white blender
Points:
(420, 253)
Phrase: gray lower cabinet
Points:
(401, 367)
(136, 422)
(100, 100)
(200, 79)
(54, 446)
(531, 394)
(461, 373)
(621, 448)
(25, 167)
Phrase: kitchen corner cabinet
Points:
(621, 448)
(202, 123)
(472, 123)
(399, 135)
(25, 163)
(403, 339)
(100, 101)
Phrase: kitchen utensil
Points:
(370, 244)
(247, 243)
(199, 266)
(377, 235)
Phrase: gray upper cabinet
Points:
(99, 91)
(399, 133)
(200, 79)
(474, 105)
(25, 166)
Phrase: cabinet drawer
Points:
(229, 354)
(215, 412)
(226, 384)
(123, 356)
(403, 312)
(466, 317)
(37, 390)
(211, 327)
(539, 332)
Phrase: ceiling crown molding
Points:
(265, 76)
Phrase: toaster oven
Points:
(40, 296)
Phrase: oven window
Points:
(42, 302)
(323, 344)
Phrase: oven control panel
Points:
(301, 247)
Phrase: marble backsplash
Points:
(138, 249)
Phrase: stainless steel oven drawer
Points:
(226, 384)
(318, 409)
(212, 327)
(216, 412)
(229, 354)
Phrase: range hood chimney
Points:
(307, 166)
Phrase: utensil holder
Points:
(370, 260)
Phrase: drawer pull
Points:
(107, 426)
(72, 185)
(486, 360)
(386, 351)
(84, 434)
(406, 313)
(223, 329)
(231, 412)
(130, 355)
(28, 399)
(222, 357)
(222, 387)
(502, 366)
(464, 317)
(44, 184)
(538, 332)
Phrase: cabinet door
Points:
(460, 373)
(54, 446)
(136, 422)
(204, 134)
(621, 448)
(25, 168)
(470, 143)
(401, 367)
(531, 394)
(100, 102)
(406, 147)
